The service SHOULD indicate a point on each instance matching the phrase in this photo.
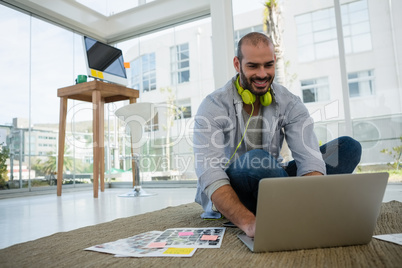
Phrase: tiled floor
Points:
(31, 217)
(27, 218)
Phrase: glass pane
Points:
(348, 45)
(35, 63)
(304, 28)
(184, 47)
(359, 16)
(360, 28)
(346, 30)
(366, 88)
(308, 95)
(354, 89)
(306, 39)
(15, 65)
(307, 82)
(15, 68)
(184, 64)
(352, 75)
(306, 54)
(323, 50)
(381, 105)
(165, 83)
(323, 93)
(367, 133)
(325, 35)
(304, 18)
(183, 55)
(184, 76)
(322, 24)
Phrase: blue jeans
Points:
(341, 155)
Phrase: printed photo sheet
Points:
(136, 246)
(190, 238)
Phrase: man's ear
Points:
(236, 64)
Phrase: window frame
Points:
(141, 76)
(179, 64)
(318, 84)
(370, 77)
(317, 35)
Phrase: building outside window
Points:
(356, 27)
(144, 73)
(180, 63)
(238, 34)
(317, 36)
(361, 83)
(315, 90)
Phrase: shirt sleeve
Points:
(211, 129)
(214, 186)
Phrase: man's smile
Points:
(260, 83)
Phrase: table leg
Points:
(62, 136)
(102, 144)
(96, 101)
(132, 100)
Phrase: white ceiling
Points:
(118, 27)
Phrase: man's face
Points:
(257, 68)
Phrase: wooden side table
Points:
(98, 93)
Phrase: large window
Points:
(168, 134)
(144, 73)
(315, 90)
(38, 57)
(317, 36)
(180, 63)
(361, 83)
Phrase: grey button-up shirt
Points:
(219, 127)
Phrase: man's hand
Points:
(228, 203)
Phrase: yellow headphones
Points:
(249, 98)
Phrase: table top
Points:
(109, 92)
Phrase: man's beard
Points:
(248, 84)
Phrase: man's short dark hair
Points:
(254, 38)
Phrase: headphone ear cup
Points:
(247, 97)
(266, 99)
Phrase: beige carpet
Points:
(67, 249)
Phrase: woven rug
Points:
(67, 249)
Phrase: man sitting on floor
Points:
(239, 131)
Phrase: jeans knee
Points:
(351, 144)
(353, 147)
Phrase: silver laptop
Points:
(316, 211)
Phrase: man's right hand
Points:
(228, 203)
